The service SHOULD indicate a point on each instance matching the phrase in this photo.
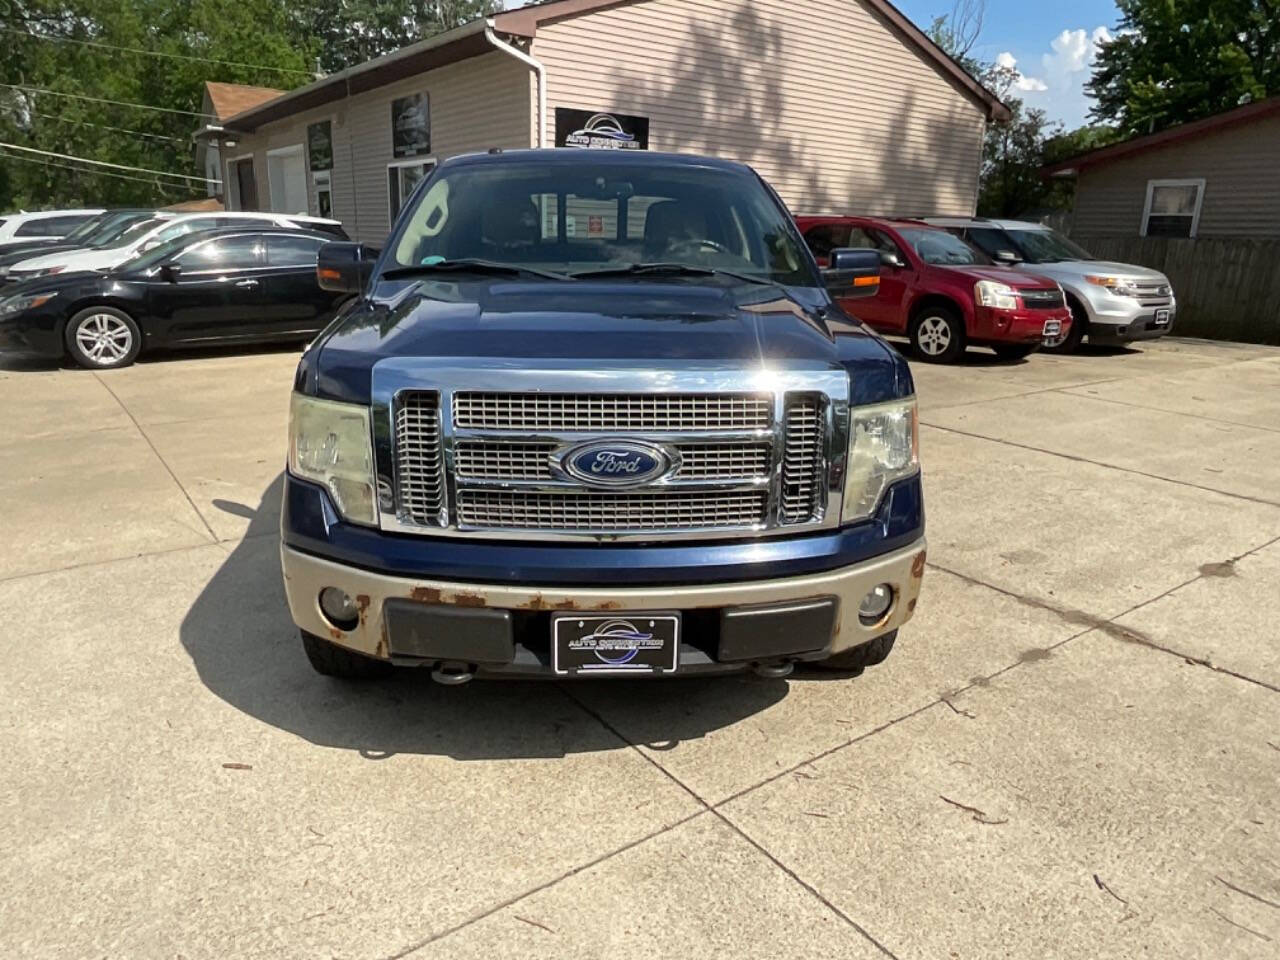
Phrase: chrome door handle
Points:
(246, 283)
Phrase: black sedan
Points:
(226, 286)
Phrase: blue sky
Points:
(1050, 44)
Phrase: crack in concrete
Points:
(1102, 464)
(164, 463)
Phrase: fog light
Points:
(339, 608)
(876, 604)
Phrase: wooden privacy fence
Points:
(1227, 288)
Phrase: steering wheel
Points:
(694, 246)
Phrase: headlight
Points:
(30, 301)
(330, 444)
(883, 448)
(1117, 285)
(999, 295)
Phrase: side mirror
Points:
(171, 271)
(1006, 257)
(344, 267)
(149, 245)
(890, 259)
(853, 273)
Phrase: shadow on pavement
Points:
(246, 650)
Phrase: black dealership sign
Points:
(320, 145)
(600, 131)
(411, 126)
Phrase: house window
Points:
(402, 177)
(1173, 208)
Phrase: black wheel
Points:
(937, 335)
(335, 661)
(1071, 342)
(103, 338)
(856, 659)
(1014, 351)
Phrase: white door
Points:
(287, 179)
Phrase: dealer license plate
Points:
(615, 644)
(1052, 328)
(1162, 317)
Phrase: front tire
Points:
(856, 659)
(103, 338)
(331, 660)
(1014, 351)
(937, 335)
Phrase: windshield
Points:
(110, 230)
(580, 217)
(942, 248)
(86, 229)
(1046, 246)
(155, 256)
(133, 233)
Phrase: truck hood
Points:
(590, 321)
(1077, 269)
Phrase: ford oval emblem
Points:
(615, 463)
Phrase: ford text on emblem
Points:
(615, 463)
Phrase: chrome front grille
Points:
(611, 512)
(489, 449)
(802, 461)
(500, 460)
(1154, 294)
(419, 460)
(620, 412)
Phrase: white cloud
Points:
(1058, 87)
(1021, 81)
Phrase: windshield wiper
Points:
(670, 270)
(473, 265)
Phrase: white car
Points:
(48, 225)
(151, 233)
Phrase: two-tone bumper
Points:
(1018, 326)
(530, 606)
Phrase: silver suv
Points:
(1111, 303)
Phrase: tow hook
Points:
(453, 673)
(774, 670)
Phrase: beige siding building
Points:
(842, 105)
(1214, 178)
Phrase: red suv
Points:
(942, 293)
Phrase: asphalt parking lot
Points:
(1074, 750)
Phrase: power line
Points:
(103, 173)
(88, 123)
(114, 103)
(157, 53)
(104, 163)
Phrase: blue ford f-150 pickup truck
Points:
(595, 413)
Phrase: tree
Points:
(1178, 60)
(353, 31)
(957, 32)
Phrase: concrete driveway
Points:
(1073, 752)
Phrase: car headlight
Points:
(883, 448)
(988, 293)
(14, 305)
(1117, 285)
(330, 444)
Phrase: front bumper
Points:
(1016, 326)
(1143, 327)
(530, 607)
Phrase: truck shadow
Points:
(245, 648)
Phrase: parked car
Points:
(140, 239)
(941, 293)
(662, 459)
(45, 225)
(223, 286)
(1111, 303)
(93, 234)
